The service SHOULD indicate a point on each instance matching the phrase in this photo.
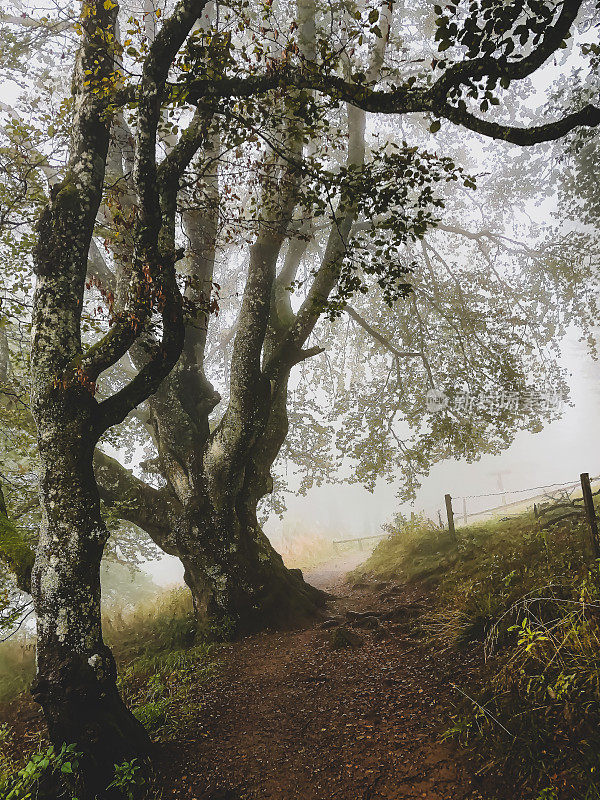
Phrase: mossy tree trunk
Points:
(215, 479)
(76, 675)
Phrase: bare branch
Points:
(379, 337)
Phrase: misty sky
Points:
(558, 453)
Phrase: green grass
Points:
(17, 666)
(531, 599)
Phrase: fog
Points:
(557, 454)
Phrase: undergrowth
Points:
(163, 660)
(529, 600)
(305, 551)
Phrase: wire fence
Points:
(462, 512)
(465, 514)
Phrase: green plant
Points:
(152, 715)
(47, 764)
(162, 690)
(533, 708)
(547, 794)
(17, 665)
(128, 779)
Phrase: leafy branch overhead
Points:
(502, 43)
(195, 208)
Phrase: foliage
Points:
(52, 772)
(164, 692)
(127, 779)
(161, 624)
(49, 767)
(163, 662)
(140, 634)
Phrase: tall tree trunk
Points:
(76, 673)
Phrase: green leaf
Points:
(435, 126)
(373, 16)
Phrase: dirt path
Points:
(292, 718)
(331, 576)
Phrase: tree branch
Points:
(154, 257)
(589, 116)
(135, 501)
(407, 99)
(379, 337)
(49, 25)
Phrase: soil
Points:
(291, 717)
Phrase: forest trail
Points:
(289, 717)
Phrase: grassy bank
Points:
(528, 601)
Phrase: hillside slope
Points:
(525, 600)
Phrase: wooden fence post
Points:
(440, 519)
(450, 514)
(465, 510)
(590, 512)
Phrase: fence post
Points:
(440, 519)
(590, 512)
(465, 510)
(450, 514)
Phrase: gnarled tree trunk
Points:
(76, 673)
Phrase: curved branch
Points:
(488, 67)
(48, 25)
(153, 263)
(379, 337)
(589, 116)
(412, 99)
(135, 501)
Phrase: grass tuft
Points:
(530, 600)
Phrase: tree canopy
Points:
(211, 223)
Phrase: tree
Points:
(187, 75)
(248, 584)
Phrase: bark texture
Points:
(215, 479)
(76, 674)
